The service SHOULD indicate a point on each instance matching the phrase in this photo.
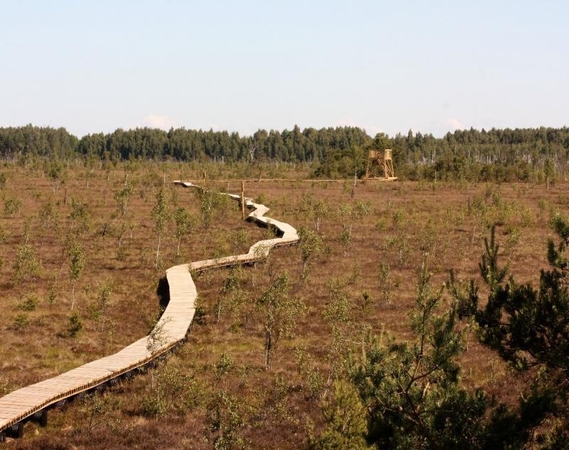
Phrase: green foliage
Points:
(311, 246)
(529, 328)
(21, 321)
(345, 416)
(232, 296)
(351, 213)
(411, 390)
(160, 215)
(555, 254)
(239, 238)
(549, 171)
(29, 304)
(122, 197)
(12, 206)
(74, 326)
(492, 274)
(160, 211)
(466, 296)
(530, 155)
(401, 395)
(173, 393)
(97, 409)
(346, 214)
(48, 218)
(278, 314)
(76, 256)
(3, 235)
(157, 337)
(98, 310)
(225, 421)
(153, 406)
(223, 366)
(314, 380)
(184, 223)
(56, 173)
(26, 265)
(321, 210)
(339, 309)
(386, 283)
(80, 217)
(55, 170)
(343, 163)
(211, 203)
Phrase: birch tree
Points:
(279, 313)
(160, 214)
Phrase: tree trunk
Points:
(268, 349)
(72, 296)
(158, 251)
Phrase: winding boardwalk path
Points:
(32, 402)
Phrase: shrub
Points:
(75, 325)
(29, 304)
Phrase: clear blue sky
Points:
(430, 66)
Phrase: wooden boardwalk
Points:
(32, 402)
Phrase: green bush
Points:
(29, 304)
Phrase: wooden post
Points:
(243, 199)
(41, 417)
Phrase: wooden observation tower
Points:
(378, 162)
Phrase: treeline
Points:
(183, 145)
(496, 155)
(530, 154)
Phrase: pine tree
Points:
(529, 328)
(412, 391)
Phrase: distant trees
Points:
(37, 141)
(538, 155)
(294, 145)
(481, 155)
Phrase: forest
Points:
(535, 155)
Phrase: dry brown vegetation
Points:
(360, 279)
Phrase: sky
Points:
(428, 66)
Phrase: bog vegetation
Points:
(417, 314)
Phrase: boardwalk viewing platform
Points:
(32, 402)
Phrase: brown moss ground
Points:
(400, 222)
